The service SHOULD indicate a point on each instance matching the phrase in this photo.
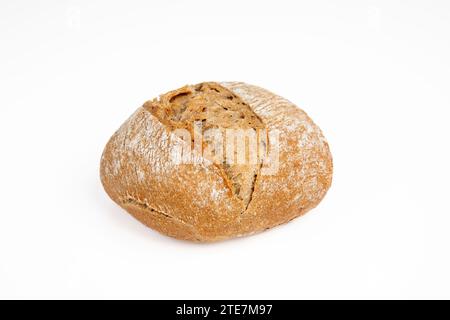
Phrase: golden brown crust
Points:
(192, 201)
(306, 167)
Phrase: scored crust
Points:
(212, 106)
(193, 201)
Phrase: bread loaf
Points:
(217, 160)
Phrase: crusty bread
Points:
(212, 200)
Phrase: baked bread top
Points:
(214, 107)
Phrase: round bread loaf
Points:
(215, 161)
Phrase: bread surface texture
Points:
(211, 198)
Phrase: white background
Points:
(375, 76)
